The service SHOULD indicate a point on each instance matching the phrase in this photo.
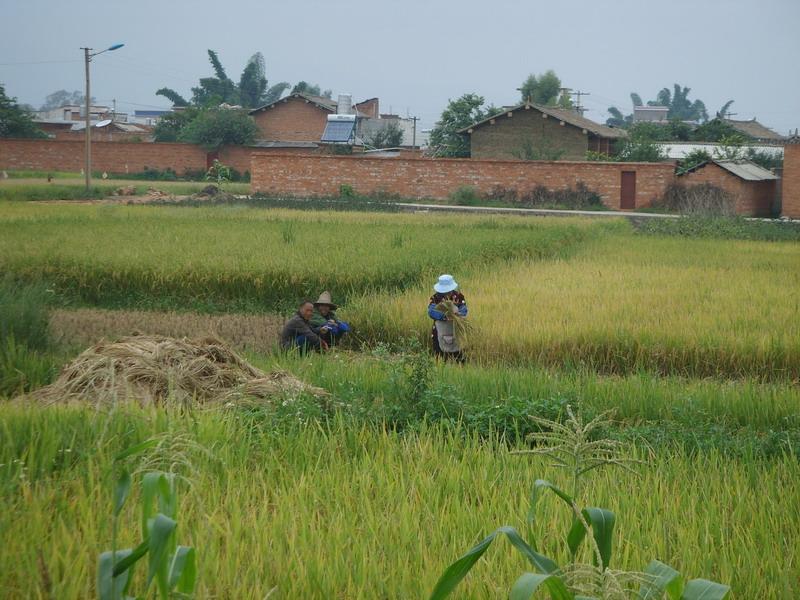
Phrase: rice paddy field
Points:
(693, 343)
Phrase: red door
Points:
(627, 198)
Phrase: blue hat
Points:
(445, 284)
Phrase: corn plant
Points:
(571, 446)
(172, 567)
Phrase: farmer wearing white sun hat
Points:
(443, 336)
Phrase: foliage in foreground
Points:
(267, 503)
(576, 447)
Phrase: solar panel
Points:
(338, 131)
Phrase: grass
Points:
(267, 509)
(237, 259)
(627, 303)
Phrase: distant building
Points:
(753, 187)
(790, 192)
(533, 131)
(679, 150)
(755, 130)
(148, 117)
(75, 112)
(302, 117)
(650, 114)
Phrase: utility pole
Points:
(578, 94)
(414, 135)
(87, 99)
(87, 58)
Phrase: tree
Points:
(680, 107)
(215, 127)
(459, 114)
(388, 136)
(713, 131)
(303, 87)
(723, 112)
(252, 90)
(61, 98)
(170, 127)
(544, 89)
(694, 158)
(15, 122)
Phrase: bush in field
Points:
(728, 228)
(702, 199)
(581, 197)
(466, 195)
(579, 449)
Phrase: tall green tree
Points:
(251, 91)
(215, 127)
(459, 114)
(14, 121)
(544, 89)
(679, 104)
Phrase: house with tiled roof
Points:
(756, 131)
(302, 118)
(534, 131)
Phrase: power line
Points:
(37, 62)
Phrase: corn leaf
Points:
(602, 523)
(663, 579)
(162, 529)
(703, 589)
(130, 559)
(108, 586)
(183, 570)
(536, 492)
(459, 569)
(528, 583)
(150, 483)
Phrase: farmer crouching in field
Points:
(446, 307)
(299, 333)
(331, 329)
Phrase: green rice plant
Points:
(571, 446)
(172, 567)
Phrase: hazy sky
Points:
(415, 55)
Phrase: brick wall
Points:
(753, 198)
(321, 175)
(790, 194)
(527, 129)
(292, 119)
(113, 157)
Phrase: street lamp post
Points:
(87, 58)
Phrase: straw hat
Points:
(325, 298)
(445, 284)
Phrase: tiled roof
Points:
(562, 114)
(755, 130)
(320, 101)
(742, 168)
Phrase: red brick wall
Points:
(322, 175)
(292, 120)
(790, 193)
(753, 198)
(113, 157)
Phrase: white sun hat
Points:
(445, 284)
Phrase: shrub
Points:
(466, 195)
(581, 197)
(346, 191)
(702, 199)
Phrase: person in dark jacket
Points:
(299, 333)
(324, 318)
(442, 334)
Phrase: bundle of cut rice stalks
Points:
(152, 369)
(462, 328)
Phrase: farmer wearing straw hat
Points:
(324, 319)
(443, 334)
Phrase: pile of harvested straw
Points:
(152, 369)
